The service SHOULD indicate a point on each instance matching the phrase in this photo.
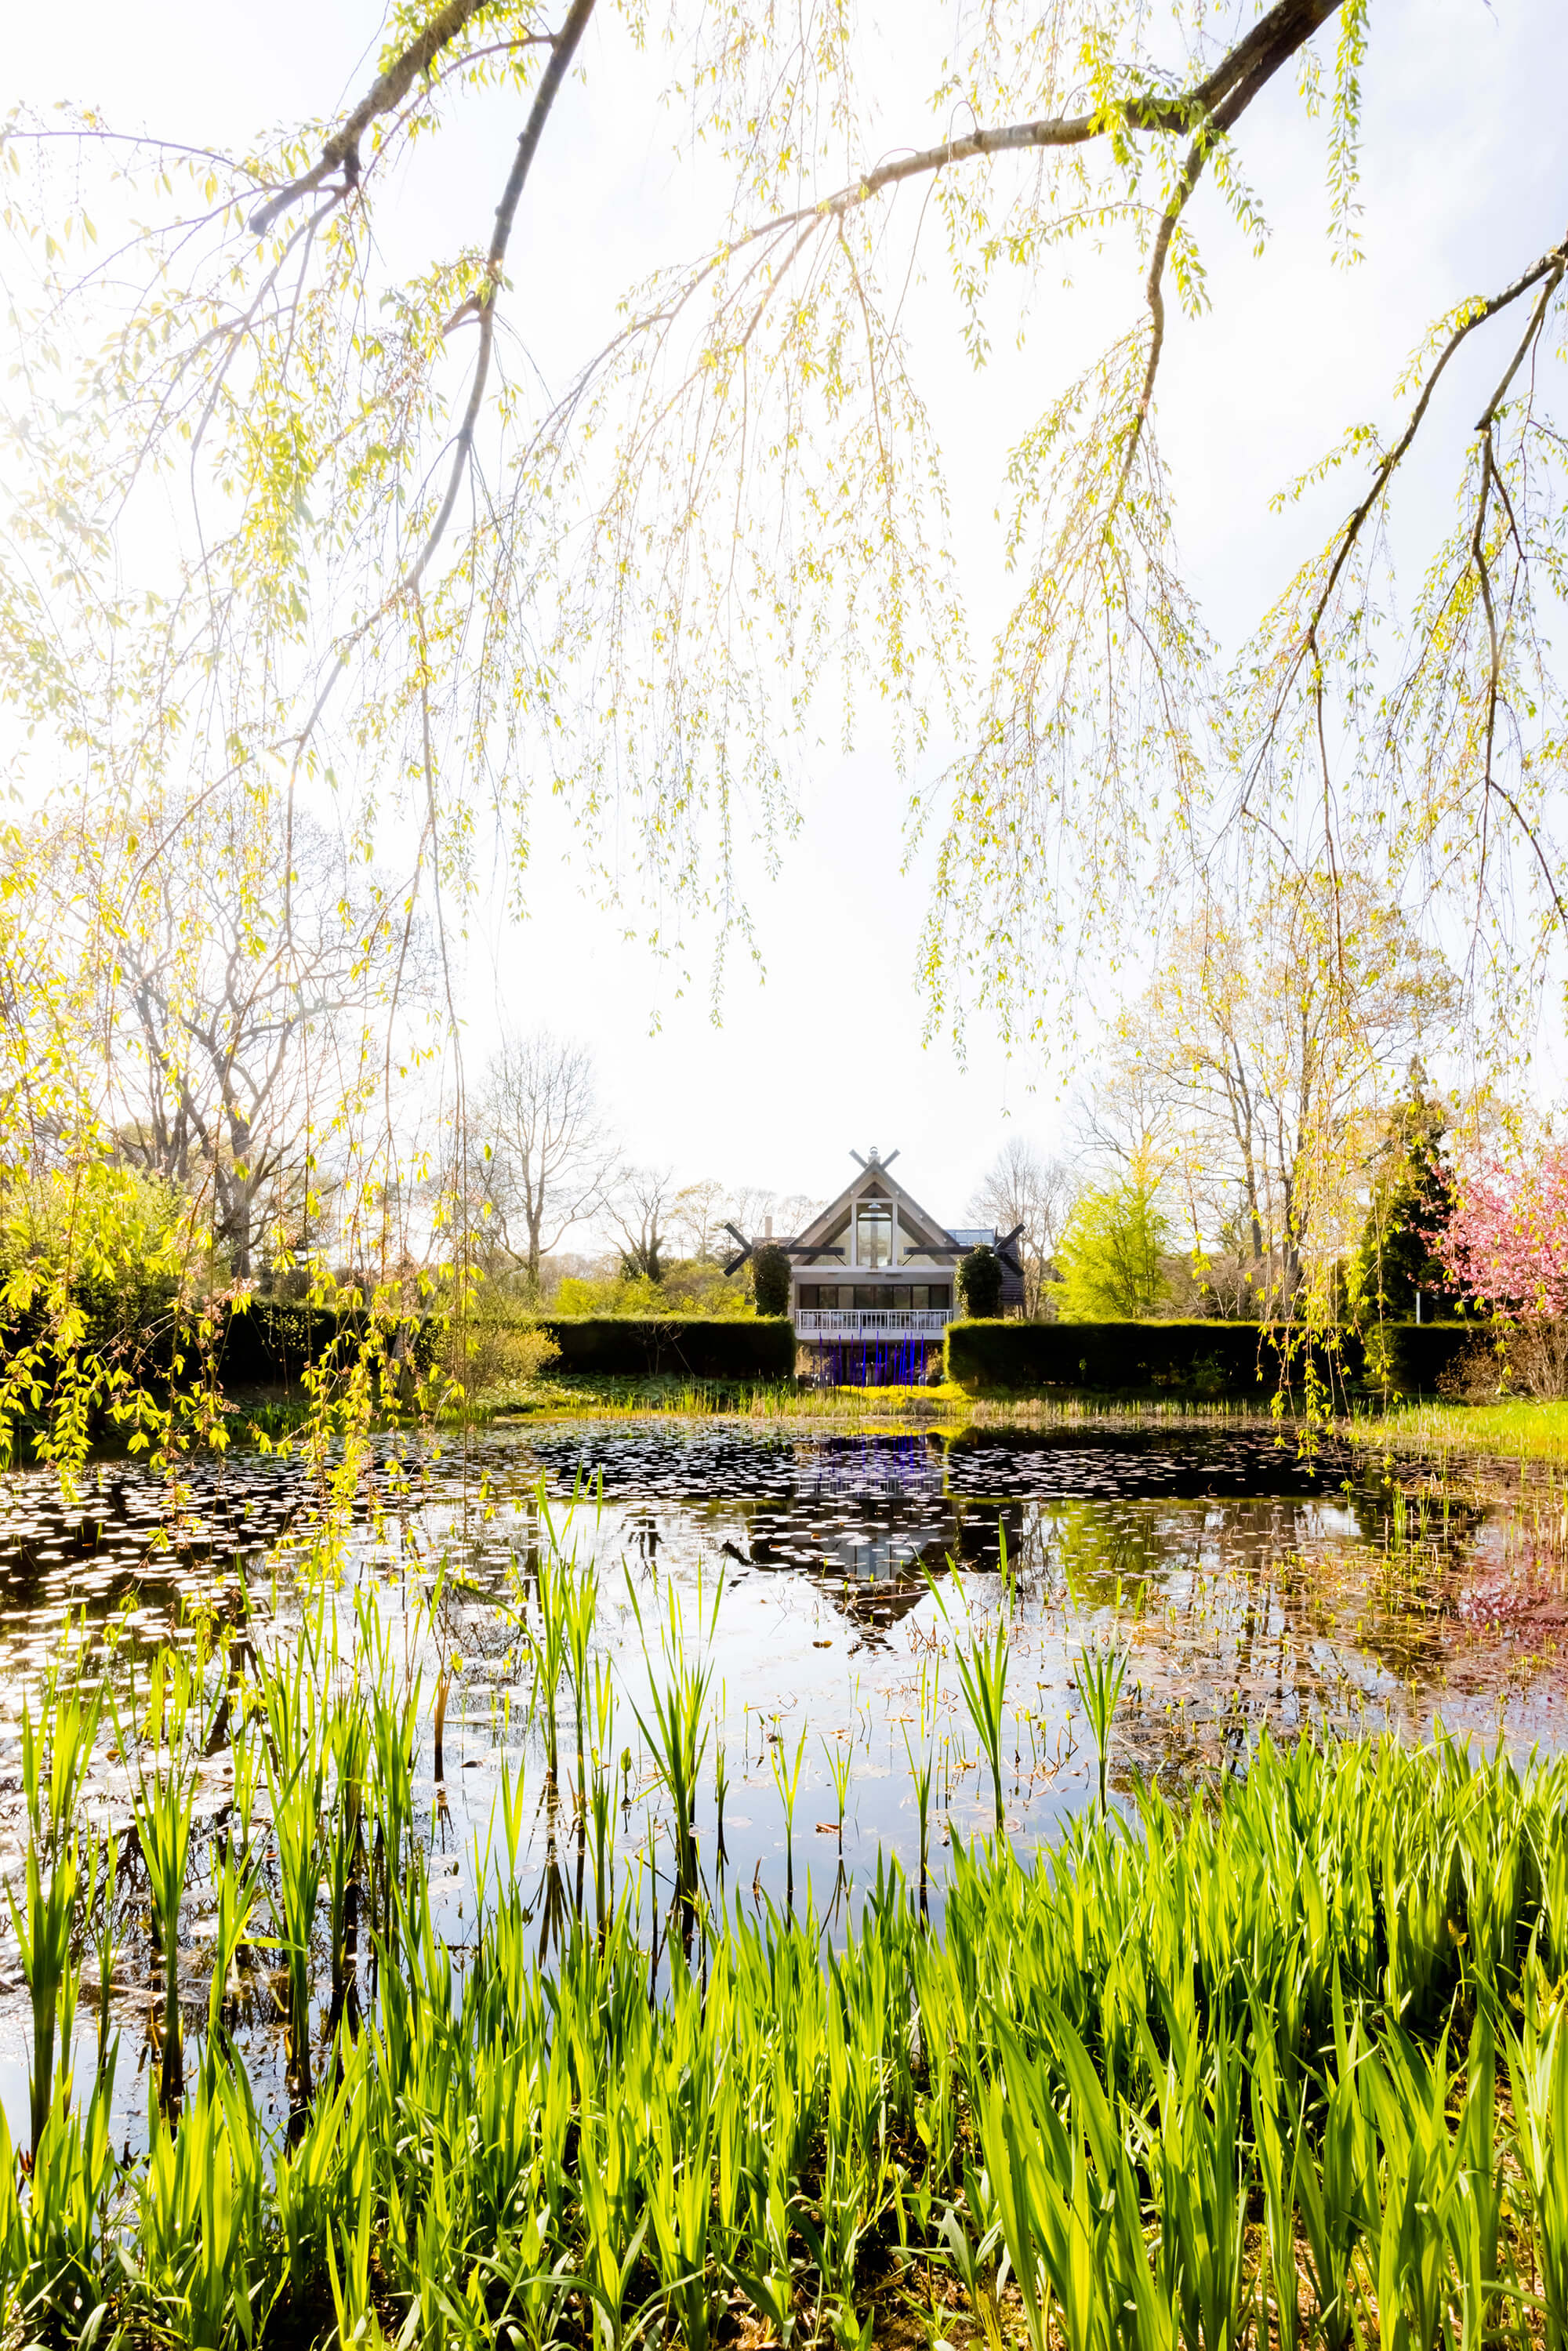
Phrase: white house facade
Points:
(876, 1266)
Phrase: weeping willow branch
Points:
(341, 152)
(1550, 267)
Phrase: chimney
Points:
(768, 1227)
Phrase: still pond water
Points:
(1250, 1587)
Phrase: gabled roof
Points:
(875, 1183)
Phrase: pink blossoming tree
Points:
(1507, 1240)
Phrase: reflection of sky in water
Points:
(1250, 1588)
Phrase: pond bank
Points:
(1102, 2067)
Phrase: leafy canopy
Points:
(1110, 1254)
(405, 569)
(286, 514)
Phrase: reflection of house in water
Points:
(910, 1467)
(870, 1519)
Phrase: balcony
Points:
(872, 1322)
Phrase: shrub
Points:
(1519, 1359)
(981, 1283)
(113, 1242)
(494, 1343)
(770, 1279)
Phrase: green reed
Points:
(720, 1790)
(983, 1659)
(920, 1774)
(1285, 2067)
(348, 1743)
(296, 1762)
(580, 1610)
(553, 1586)
(1538, 2076)
(56, 1756)
(786, 1780)
(840, 1760)
(163, 1798)
(103, 1880)
(679, 1731)
(601, 1789)
(1098, 1672)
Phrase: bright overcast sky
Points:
(1463, 184)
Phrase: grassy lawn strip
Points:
(1516, 1430)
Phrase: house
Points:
(875, 1277)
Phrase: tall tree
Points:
(1268, 1037)
(259, 977)
(639, 1208)
(697, 1216)
(547, 1159)
(1112, 1252)
(1022, 1187)
(1412, 1201)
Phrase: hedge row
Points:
(699, 1347)
(1221, 1358)
(1420, 1352)
(269, 1344)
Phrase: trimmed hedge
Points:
(1237, 1359)
(1419, 1353)
(268, 1343)
(1237, 1355)
(271, 1343)
(263, 1345)
(703, 1347)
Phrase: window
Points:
(941, 1293)
(874, 1236)
(867, 1294)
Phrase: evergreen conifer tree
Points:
(770, 1279)
(1412, 1200)
(981, 1283)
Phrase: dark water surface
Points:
(1252, 1587)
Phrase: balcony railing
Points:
(872, 1322)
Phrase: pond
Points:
(829, 1582)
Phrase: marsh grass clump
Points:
(676, 1728)
(1283, 2066)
